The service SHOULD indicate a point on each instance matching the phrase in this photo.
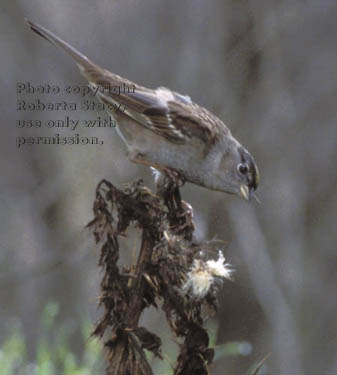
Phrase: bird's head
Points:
(238, 171)
(248, 174)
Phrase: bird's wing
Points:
(165, 112)
(169, 114)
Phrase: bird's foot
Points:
(175, 176)
(167, 180)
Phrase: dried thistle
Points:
(170, 268)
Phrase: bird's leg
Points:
(174, 177)
(168, 181)
(138, 158)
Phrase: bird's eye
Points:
(243, 169)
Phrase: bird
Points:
(167, 131)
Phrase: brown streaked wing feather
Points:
(196, 121)
(176, 120)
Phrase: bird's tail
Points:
(85, 64)
(133, 103)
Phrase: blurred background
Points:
(268, 70)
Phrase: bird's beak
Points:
(248, 193)
(245, 192)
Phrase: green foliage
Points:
(232, 348)
(53, 353)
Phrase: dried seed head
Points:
(203, 275)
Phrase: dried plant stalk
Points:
(170, 268)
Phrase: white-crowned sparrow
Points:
(169, 132)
